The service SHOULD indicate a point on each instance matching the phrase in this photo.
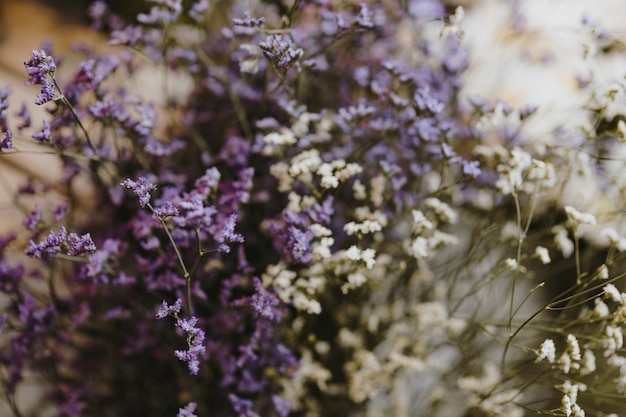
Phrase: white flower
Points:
(511, 264)
(589, 363)
(547, 351)
(562, 241)
(283, 137)
(600, 309)
(420, 222)
(614, 341)
(573, 347)
(419, 248)
(577, 217)
(603, 272)
(543, 254)
(443, 210)
(612, 292)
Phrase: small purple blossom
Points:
(4, 105)
(33, 218)
(38, 67)
(228, 232)
(195, 341)
(141, 188)
(265, 303)
(50, 244)
(166, 210)
(280, 51)
(198, 10)
(187, 411)
(471, 168)
(80, 245)
(166, 310)
(24, 115)
(45, 134)
(59, 211)
(7, 141)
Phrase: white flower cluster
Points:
(426, 236)
(294, 289)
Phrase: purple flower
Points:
(187, 411)
(248, 21)
(4, 105)
(198, 10)
(242, 407)
(265, 303)
(24, 115)
(166, 210)
(280, 51)
(228, 232)
(59, 211)
(141, 188)
(165, 309)
(364, 18)
(50, 244)
(45, 134)
(38, 67)
(79, 245)
(195, 341)
(471, 168)
(7, 141)
(33, 219)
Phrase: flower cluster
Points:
(343, 229)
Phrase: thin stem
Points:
(78, 121)
(181, 262)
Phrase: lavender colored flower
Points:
(33, 218)
(198, 10)
(187, 411)
(80, 245)
(195, 341)
(166, 309)
(51, 244)
(39, 67)
(280, 51)
(45, 134)
(24, 115)
(265, 303)
(166, 210)
(164, 12)
(141, 188)
(60, 210)
(249, 21)
(7, 141)
(4, 105)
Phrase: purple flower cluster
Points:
(40, 68)
(251, 168)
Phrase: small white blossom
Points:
(603, 272)
(612, 292)
(578, 218)
(547, 351)
(419, 248)
(511, 264)
(420, 222)
(588, 363)
(573, 348)
(543, 254)
(562, 241)
(600, 309)
(614, 341)
(443, 210)
(281, 138)
(368, 226)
